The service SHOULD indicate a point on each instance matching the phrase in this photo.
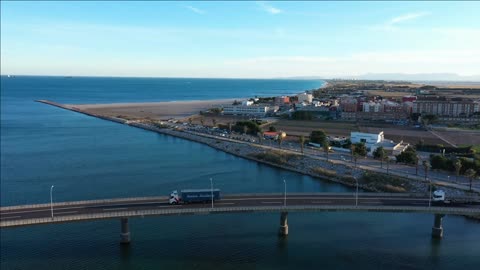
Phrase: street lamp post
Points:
(430, 193)
(285, 193)
(51, 200)
(356, 194)
(211, 187)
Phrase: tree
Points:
(326, 147)
(245, 129)
(301, 140)
(380, 154)
(360, 149)
(318, 136)
(416, 164)
(355, 157)
(230, 127)
(409, 156)
(352, 150)
(214, 122)
(426, 166)
(458, 167)
(260, 137)
(470, 173)
(280, 140)
(272, 129)
(202, 121)
(190, 120)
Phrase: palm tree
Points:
(301, 140)
(416, 164)
(202, 121)
(458, 166)
(380, 154)
(260, 137)
(387, 159)
(352, 150)
(426, 167)
(214, 122)
(245, 130)
(470, 173)
(190, 120)
(280, 140)
(355, 157)
(326, 147)
(230, 127)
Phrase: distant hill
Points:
(418, 77)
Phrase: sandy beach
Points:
(153, 110)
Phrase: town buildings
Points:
(445, 106)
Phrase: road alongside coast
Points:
(315, 166)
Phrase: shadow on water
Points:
(435, 244)
(125, 252)
(282, 243)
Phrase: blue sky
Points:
(239, 39)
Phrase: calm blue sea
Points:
(88, 158)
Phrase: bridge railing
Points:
(165, 198)
(207, 210)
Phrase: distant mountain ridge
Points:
(401, 77)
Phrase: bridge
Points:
(125, 208)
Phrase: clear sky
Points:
(239, 39)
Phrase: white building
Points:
(304, 97)
(369, 139)
(253, 110)
(372, 107)
(247, 102)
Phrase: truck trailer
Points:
(194, 195)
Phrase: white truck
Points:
(438, 196)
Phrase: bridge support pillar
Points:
(125, 231)
(437, 229)
(283, 231)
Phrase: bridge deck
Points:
(148, 206)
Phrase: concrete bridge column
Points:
(125, 233)
(283, 231)
(437, 229)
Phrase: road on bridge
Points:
(228, 201)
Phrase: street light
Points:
(356, 194)
(285, 193)
(430, 193)
(51, 200)
(211, 187)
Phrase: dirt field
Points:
(297, 128)
(395, 133)
(463, 137)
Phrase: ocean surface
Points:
(88, 158)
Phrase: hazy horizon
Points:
(241, 39)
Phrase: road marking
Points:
(271, 202)
(114, 209)
(419, 203)
(70, 212)
(321, 202)
(224, 203)
(82, 206)
(46, 209)
(10, 217)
